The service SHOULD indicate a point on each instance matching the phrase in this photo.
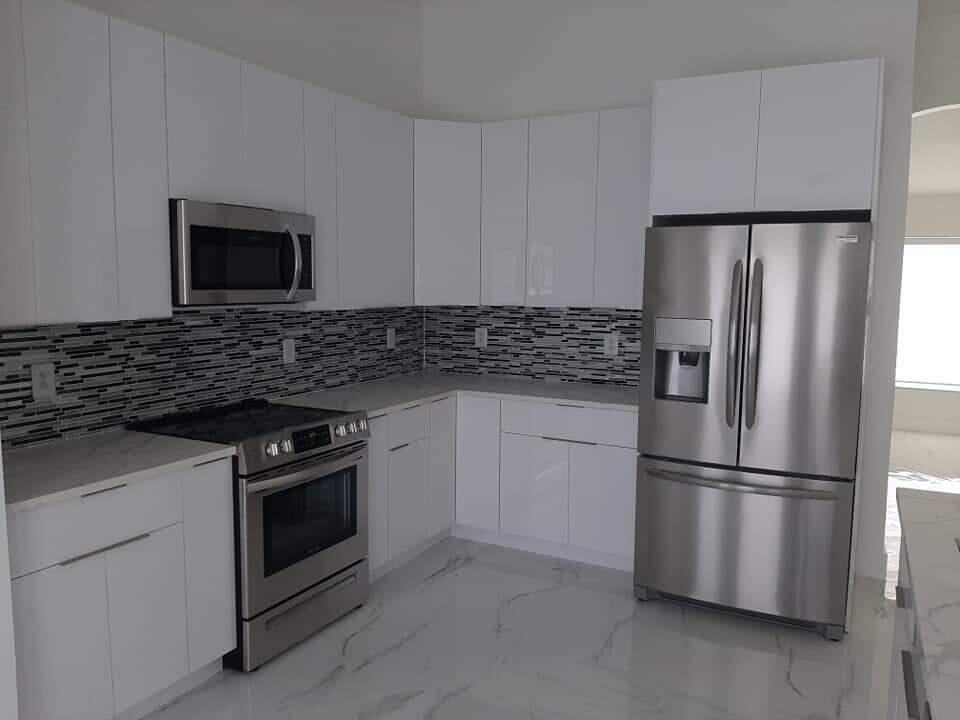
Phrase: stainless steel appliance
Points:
(301, 517)
(749, 413)
(230, 254)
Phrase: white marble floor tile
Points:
(474, 631)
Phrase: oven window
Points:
(308, 519)
(229, 259)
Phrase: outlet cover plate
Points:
(44, 381)
(611, 344)
(480, 337)
(289, 351)
(391, 338)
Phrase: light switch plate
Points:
(611, 344)
(44, 381)
(289, 351)
(391, 338)
(480, 337)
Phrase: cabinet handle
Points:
(399, 447)
(440, 399)
(105, 490)
(575, 442)
(120, 544)
(210, 462)
(910, 685)
(902, 602)
(579, 407)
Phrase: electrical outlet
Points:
(611, 344)
(391, 338)
(480, 337)
(289, 351)
(44, 381)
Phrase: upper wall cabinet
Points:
(818, 136)
(562, 203)
(503, 223)
(320, 158)
(705, 144)
(623, 186)
(446, 214)
(375, 205)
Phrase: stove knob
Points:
(340, 430)
(286, 446)
(272, 449)
(362, 423)
(352, 427)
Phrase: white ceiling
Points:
(935, 153)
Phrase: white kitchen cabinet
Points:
(205, 124)
(562, 203)
(440, 497)
(446, 196)
(407, 492)
(623, 189)
(503, 224)
(602, 498)
(63, 642)
(818, 136)
(378, 502)
(140, 171)
(67, 63)
(208, 539)
(273, 155)
(704, 154)
(319, 139)
(478, 462)
(375, 205)
(17, 300)
(148, 624)
(534, 487)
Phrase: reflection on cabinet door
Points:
(408, 469)
(441, 470)
(62, 641)
(603, 488)
(534, 487)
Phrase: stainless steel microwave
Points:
(231, 254)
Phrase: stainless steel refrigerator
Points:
(751, 374)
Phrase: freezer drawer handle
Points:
(733, 341)
(910, 685)
(753, 343)
(742, 487)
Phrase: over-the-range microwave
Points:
(232, 254)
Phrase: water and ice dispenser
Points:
(682, 359)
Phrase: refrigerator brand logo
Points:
(848, 238)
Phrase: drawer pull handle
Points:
(120, 544)
(580, 407)
(209, 462)
(440, 399)
(902, 602)
(105, 490)
(910, 685)
(575, 442)
(400, 447)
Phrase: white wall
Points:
(488, 59)
(934, 215)
(369, 49)
(938, 56)
(8, 668)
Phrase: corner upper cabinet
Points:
(320, 165)
(818, 136)
(705, 144)
(562, 206)
(375, 205)
(503, 223)
(446, 192)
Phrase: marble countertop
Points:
(67, 469)
(380, 396)
(931, 539)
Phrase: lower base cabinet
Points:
(407, 482)
(603, 496)
(534, 487)
(441, 466)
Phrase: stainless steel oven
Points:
(231, 254)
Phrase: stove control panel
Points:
(311, 438)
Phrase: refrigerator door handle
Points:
(753, 343)
(793, 493)
(734, 332)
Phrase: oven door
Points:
(301, 525)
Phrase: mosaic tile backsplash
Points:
(113, 373)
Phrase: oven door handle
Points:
(297, 262)
(310, 473)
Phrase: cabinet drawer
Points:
(570, 422)
(410, 425)
(56, 532)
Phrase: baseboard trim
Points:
(170, 695)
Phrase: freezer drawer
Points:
(761, 543)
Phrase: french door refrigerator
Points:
(749, 414)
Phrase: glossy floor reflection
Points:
(474, 631)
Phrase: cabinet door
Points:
(705, 144)
(208, 534)
(503, 224)
(441, 470)
(63, 643)
(272, 139)
(407, 489)
(321, 192)
(379, 491)
(562, 205)
(140, 171)
(148, 624)
(818, 136)
(67, 51)
(623, 188)
(375, 205)
(446, 214)
(478, 462)
(534, 487)
(204, 123)
(603, 488)
(17, 300)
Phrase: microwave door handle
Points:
(297, 262)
